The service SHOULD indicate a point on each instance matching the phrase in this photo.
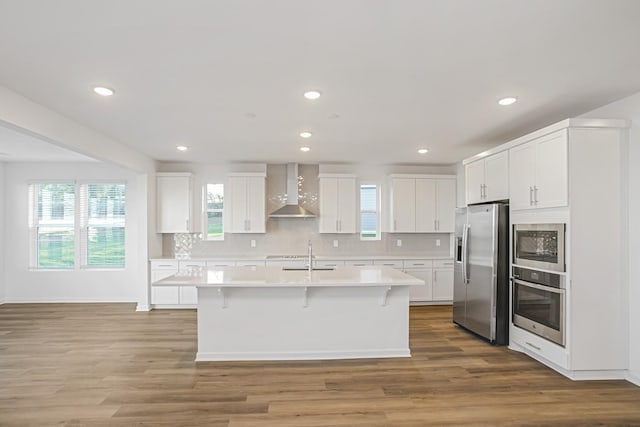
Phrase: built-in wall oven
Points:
(539, 246)
(539, 303)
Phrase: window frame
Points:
(205, 217)
(376, 211)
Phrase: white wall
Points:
(24, 285)
(2, 227)
(629, 108)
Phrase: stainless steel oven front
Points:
(539, 246)
(539, 303)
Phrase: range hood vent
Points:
(292, 209)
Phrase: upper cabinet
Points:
(487, 179)
(175, 203)
(422, 204)
(538, 172)
(246, 203)
(338, 208)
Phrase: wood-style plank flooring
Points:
(107, 365)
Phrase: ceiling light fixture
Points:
(507, 101)
(423, 151)
(305, 149)
(312, 94)
(182, 148)
(103, 91)
(305, 134)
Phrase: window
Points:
(369, 215)
(103, 225)
(215, 204)
(59, 223)
(52, 225)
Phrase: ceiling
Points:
(226, 77)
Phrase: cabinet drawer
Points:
(389, 263)
(164, 265)
(417, 263)
(443, 263)
(250, 263)
(328, 264)
(190, 264)
(358, 262)
(220, 264)
(538, 347)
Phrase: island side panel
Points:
(274, 323)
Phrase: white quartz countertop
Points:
(315, 257)
(277, 277)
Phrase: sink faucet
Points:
(310, 250)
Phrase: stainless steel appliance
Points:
(538, 303)
(481, 271)
(539, 246)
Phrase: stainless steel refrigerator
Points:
(481, 271)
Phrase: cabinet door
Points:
(256, 215)
(522, 169)
(443, 284)
(347, 205)
(551, 171)
(165, 295)
(426, 205)
(421, 292)
(328, 193)
(445, 205)
(474, 173)
(497, 177)
(403, 205)
(188, 295)
(237, 202)
(173, 204)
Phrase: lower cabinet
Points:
(173, 296)
(438, 281)
(443, 280)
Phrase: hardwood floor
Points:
(106, 365)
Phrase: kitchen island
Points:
(270, 313)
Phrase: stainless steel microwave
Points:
(539, 246)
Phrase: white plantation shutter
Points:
(102, 225)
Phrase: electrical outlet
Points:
(335, 243)
(437, 242)
(398, 243)
(253, 243)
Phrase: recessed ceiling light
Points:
(305, 149)
(182, 148)
(312, 94)
(306, 134)
(507, 101)
(423, 151)
(103, 91)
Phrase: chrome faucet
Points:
(310, 250)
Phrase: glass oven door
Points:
(539, 246)
(539, 309)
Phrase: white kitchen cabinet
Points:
(487, 179)
(338, 212)
(422, 270)
(392, 263)
(173, 296)
(422, 204)
(538, 172)
(246, 203)
(443, 280)
(176, 206)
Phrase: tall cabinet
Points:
(176, 205)
(246, 203)
(338, 207)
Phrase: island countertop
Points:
(373, 275)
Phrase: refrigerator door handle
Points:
(465, 240)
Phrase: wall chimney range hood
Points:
(292, 209)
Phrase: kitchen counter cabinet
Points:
(337, 195)
(487, 180)
(176, 205)
(246, 201)
(266, 313)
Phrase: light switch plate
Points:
(253, 243)
(398, 243)
(335, 243)
(437, 242)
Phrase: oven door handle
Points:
(540, 287)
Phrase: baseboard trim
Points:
(319, 355)
(68, 301)
(633, 377)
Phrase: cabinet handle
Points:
(530, 196)
(186, 224)
(395, 225)
(534, 346)
(535, 195)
